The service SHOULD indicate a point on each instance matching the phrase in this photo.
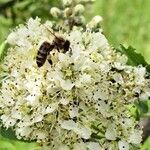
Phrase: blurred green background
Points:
(125, 22)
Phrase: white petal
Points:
(139, 74)
(118, 78)
(83, 132)
(94, 146)
(38, 118)
(135, 137)
(49, 110)
(64, 101)
(66, 84)
(64, 58)
(68, 125)
(32, 99)
(73, 112)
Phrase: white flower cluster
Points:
(80, 102)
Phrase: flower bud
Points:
(86, 1)
(55, 12)
(94, 23)
(48, 24)
(79, 20)
(67, 2)
(78, 9)
(97, 19)
(67, 12)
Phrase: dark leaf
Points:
(143, 106)
(134, 58)
(7, 133)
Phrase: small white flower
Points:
(55, 12)
(73, 112)
(123, 145)
(118, 78)
(83, 132)
(64, 101)
(139, 74)
(40, 135)
(111, 133)
(8, 120)
(135, 137)
(24, 131)
(94, 146)
(78, 9)
(32, 99)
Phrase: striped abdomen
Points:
(43, 51)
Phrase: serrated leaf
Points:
(7, 133)
(134, 58)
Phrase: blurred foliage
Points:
(6, 144)
(125, 22)
(146, 145)
(14, 12)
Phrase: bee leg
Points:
(49, 60)
(70, 51)
(58, 49)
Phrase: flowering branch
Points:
(81, 100)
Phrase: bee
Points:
(59, 43)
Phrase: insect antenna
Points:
(51, 32)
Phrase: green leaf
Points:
(134, 58)
(134, 111)
(2, 50)
(142, 106)
(146, 145)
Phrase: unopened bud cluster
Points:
(72, 12)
